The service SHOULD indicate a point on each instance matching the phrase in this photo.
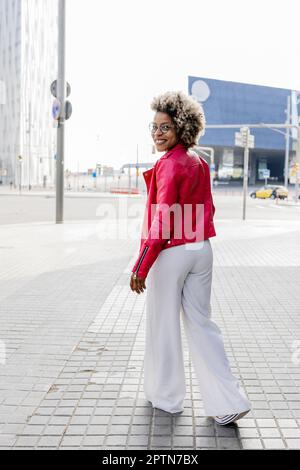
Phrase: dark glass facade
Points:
(238, 103)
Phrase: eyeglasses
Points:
(164, 128)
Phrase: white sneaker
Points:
(227, 419)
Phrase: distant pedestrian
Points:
(11, 184)
(176, 252)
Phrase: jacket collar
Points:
(178, 148)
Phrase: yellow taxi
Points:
(270, 192)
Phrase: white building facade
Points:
(28, 66)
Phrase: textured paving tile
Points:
(74, 342)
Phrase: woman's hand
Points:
(137, 284)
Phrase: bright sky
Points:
(121, 53)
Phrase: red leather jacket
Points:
(179, 207)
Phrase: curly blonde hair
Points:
(186, 113)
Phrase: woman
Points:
(176, 252)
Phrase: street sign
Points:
(68, 110)
(265, 173)
(56, 109)
(238, 139)
(250, 141)
(244, 139)
(53, 89)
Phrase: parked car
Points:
(270, 191)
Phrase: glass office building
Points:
(239, 103)
(28, 65)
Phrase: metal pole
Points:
(77, 176)
(61, 95)
(246, 164)
(29, 153)
(298, 168)
(287, 143)
(20, 186)
(129, 178)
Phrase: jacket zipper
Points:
(141, 260)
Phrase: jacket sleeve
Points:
(162, 225)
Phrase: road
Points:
(18, 209)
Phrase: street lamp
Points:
(28, 131)
(287, 146)
(20, 159)
(61, 95)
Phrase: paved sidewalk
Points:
(72, 337)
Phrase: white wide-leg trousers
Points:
(180, 281)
